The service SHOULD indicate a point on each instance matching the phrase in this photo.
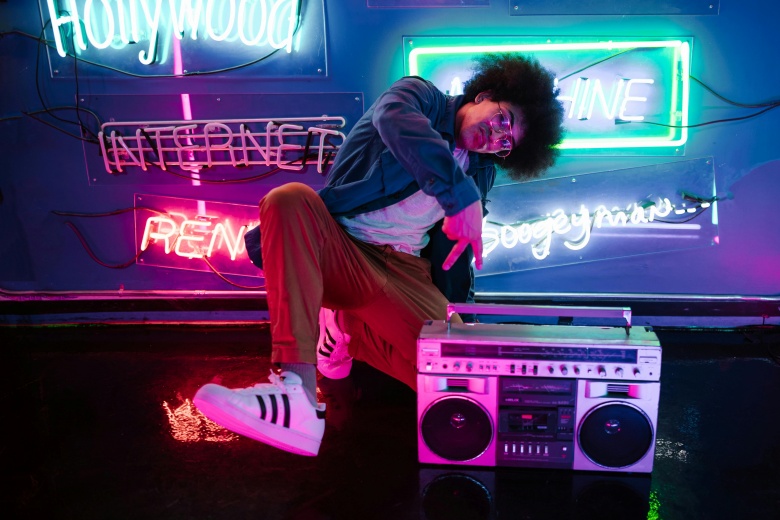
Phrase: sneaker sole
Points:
(339, 371)
(237, 420)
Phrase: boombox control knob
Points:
(564, 370)
(619, 372)
(602, 372)
(469, 366)
(456, 365)
(551, 370)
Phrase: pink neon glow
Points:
(186, 107)
(188, 424)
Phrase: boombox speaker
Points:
(541, 396)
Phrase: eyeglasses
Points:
(503, 126)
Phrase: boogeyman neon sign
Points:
(112, 25)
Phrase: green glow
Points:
(655, 505)
(536, 47)
(659, 71)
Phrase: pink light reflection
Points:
(186, 107)
(188, 424)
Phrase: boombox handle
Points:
(540, 310)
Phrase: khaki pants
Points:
(310, 261)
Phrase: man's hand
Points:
(465, 228)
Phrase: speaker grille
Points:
(615, 435)
(456, 428)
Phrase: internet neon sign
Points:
(193, 145)
(604, 85)
(114, 24)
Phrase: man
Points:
(417, 159)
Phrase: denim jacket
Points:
(404, 143)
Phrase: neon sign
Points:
(114, 24)
(597, 216)
(194, 234)
(609, 88)
(576, 228)
(287, 143)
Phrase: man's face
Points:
(487, 126)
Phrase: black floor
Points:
(98, 423)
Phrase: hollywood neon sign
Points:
(604, 85)
(576, 228)
(287, 143)
(113, 24)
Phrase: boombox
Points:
(538, 396)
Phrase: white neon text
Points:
(117, 23)
(586, 92)
(574, 228)
(193, 145)
(188, 238)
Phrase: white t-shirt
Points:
(404, 225)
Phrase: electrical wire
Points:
(108, 213)
(729, 101)
(133, 260)
(766, 106)
(94, 257)
(707, 123)
(232, 181)
(205, 259)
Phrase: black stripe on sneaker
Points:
(286, 403)
(274, 408)
(262, 406)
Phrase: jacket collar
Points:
(446, 126)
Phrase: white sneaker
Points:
(333, 359)
(279, 413)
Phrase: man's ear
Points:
(483, 96)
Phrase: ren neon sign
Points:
(610, 89)
(194, 234)
(109, 25)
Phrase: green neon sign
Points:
(621, 96)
